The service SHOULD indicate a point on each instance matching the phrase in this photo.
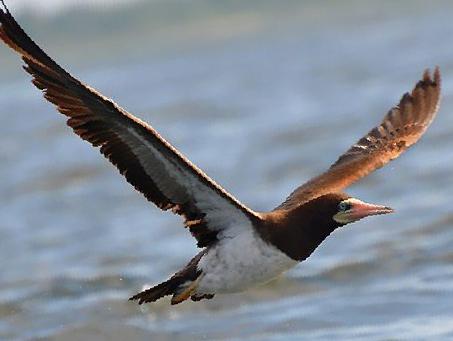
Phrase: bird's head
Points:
(302, 229)
(345, 209)
(327, 212)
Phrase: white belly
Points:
(238, 263)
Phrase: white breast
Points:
(241, 262)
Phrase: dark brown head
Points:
(338, 209)
(299, 231)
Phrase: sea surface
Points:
(262, 95)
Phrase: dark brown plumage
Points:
(241, 247)
(300, 230)
(401, 128)
(104, 124)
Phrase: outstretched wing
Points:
(402, 127)
(149, 163)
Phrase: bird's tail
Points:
(182, 285)
(169, 287)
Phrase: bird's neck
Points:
(295, 233)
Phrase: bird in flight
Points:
(240, 248)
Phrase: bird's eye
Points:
(344, 206)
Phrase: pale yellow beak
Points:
(359, 210)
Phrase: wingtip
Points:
(429, 80)
(427, 75)
(4, 8)
(437, 78)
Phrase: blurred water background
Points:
(262, 95)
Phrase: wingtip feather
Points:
(4, 9)
(437, 77)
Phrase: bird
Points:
(240, 247)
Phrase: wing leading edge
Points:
(148, 162)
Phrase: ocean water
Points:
(262, 95)
(55, 7)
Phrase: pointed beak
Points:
(359, 210)
(362, 209)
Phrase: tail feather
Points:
(161, 290)
(181, 285)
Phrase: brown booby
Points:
(240, 247)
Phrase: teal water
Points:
(262, 95)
